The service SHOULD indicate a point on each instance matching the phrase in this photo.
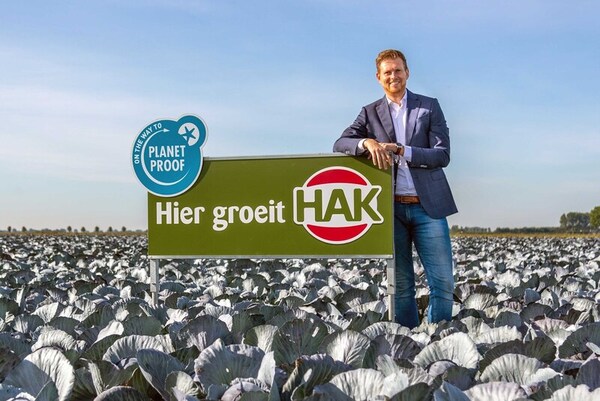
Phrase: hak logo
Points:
(337, 205)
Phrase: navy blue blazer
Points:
(427, 135)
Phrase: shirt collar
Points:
(402, 102)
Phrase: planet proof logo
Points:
(337, 205)
(167, 156)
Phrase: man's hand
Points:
(379, 153)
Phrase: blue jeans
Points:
(432, 242)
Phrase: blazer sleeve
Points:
(348, 141)
(435, 151)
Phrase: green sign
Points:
(292, 206)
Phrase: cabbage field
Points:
(77, 323)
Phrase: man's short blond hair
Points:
(390, 54)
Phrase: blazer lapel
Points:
(383, 111)
(413, 103)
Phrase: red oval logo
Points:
(337, 205)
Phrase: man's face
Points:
(392, 76)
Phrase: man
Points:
(409, 131)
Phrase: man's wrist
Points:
(399, 150)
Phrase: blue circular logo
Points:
(167, 155)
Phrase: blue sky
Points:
(518, 81)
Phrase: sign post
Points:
(154, 279)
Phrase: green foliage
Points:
(595, 217)
(575, 220)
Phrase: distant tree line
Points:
(455, 229)
(470, 230)
(530, 230)
(571, 222)
(69, 229)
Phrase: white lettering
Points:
(231, 214)
(260, 214)
(160, 213)
(166, 151)
(223, 216)
(246, 214)
(167, 165)
(174, 215)
(218, 223)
